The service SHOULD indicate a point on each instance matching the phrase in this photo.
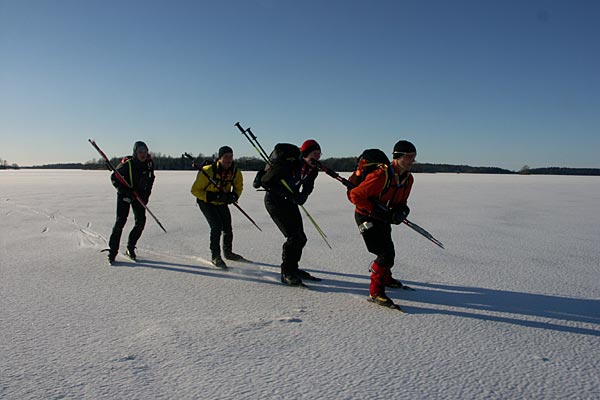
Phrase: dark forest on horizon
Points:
(340, 164)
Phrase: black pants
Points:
(219, 220)
(286, 216)
(139, 215)
(378, 240)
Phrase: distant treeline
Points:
(560, 171)
(341, 164)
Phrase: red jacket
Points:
(374, 187)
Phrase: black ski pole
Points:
(211, 180)
(349, 185)
(254, 142)
(124, 182)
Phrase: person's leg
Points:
(139, 215)
(115, 238)
(228, 235)
(213, 217)
(289, 221)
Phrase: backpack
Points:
(284, 152)
(370, 160)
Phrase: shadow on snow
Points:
(479, 302)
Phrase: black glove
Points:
(400, 213)
(381, 213)
(212, 197)
(299, 198)
(230, 198)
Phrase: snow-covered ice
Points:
(511, 308)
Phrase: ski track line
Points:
(85, 240)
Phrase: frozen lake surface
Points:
(510, 309)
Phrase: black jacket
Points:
(139, 175)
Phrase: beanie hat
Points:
(138, 146)
(403, 147)
(309, 146)
(225, 150)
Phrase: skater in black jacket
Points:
(138, 171)
(293, 166)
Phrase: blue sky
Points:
(483, 83)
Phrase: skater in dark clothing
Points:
(138, 172)
(214, 200)
(294, 166)
(380, 201)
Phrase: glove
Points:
(230, 198)
(381, 213)
(213, 197)
(400, 213)
(299, 198)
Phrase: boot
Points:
(385, 301)
(230, 255)
(382, 300)
(111, 255)
(291, 279)
(218, 262)
(130, 252)
(302, 274)
(395, 283)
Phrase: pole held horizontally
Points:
(254, 142)
(124, 182)
(408, 223)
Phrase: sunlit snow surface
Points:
(511, 308)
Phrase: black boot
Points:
(111, 256)
(218, 262)
(291, 279)
(306, 276)
(130, 252)
(230, 255)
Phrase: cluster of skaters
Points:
(379, 191)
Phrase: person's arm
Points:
(363, 195)
(200, 185)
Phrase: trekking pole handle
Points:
(237, 124)
(252, 135)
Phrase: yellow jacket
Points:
(225, 180)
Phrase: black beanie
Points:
(403, 147)
(225, 150)
(137, 145)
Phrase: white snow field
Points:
(509, 310)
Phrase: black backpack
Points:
(370, 160)
(284, 152)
